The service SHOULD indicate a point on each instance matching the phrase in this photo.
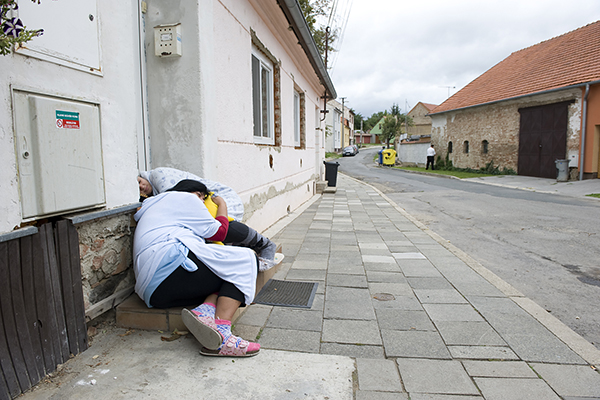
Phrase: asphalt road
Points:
(545, 245)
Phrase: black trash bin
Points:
(331, 172)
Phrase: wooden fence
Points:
(42, 313)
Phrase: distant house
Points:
(421, 121)
(338, 121)
(376, 131)
(538, 105)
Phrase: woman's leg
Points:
(240, 234)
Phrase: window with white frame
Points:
(262, 98)
(296, 119)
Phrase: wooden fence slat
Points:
(46, 323)
(29, 294)
(10, 329)
(10, 384)
(55, 297)
(76, 279)
(66, 283)
(19, 311)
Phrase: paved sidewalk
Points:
(399, 313)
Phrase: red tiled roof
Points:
(429, 106)
(569, 59)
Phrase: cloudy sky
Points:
(406, 51)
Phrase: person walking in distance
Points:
(430, 157)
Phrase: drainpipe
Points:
(583, 126)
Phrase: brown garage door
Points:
(542, 139)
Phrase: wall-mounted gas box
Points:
(59, 154)
(167, 40)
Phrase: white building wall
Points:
(212, 105)
(116, 90)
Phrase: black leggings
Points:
(236, 233)
(185, 288)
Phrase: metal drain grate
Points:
(287, 294)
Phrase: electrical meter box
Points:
(167, 40)
(59, 154)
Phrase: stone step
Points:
(134, 314)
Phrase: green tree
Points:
(395, 110)
(13, 31)
(314, 10)
(358, 118)
(391, 127)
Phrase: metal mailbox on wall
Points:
(59, 154)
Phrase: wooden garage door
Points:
(542, 139)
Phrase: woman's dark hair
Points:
(189, 185)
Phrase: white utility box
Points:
(59, 154)
(167, 40)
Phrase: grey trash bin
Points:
(563, 170)
(331, 172)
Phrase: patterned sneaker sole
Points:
(207, 336)
(216, 353)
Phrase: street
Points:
(545, 245)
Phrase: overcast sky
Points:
(406, 51)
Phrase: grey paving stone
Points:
(452, 312)
(526, 336)
(305, 256)
(394, 248)
(399, 302)
(482, 353)
(319, 301)
(378, 375)
(351, 332)
(448, 296)
(246, 332)
(499, 369)
(402, 320)
(397, 289)
(386, 267)
(408, 256)
(293, 318)
(311, 275)
(435, 376)
(387, 259)
(428, 283)
(414, 344)
(373, 395)
(382, 276)
(467, 333)
(353, 350)
(357, 281)
(428, 396)
(339, 267)
(310, 264)
(255, 315)
(290, 340)
(570, 380)
(418, 268)
(480, 288)
(348, 303)
(515, 389)
(372, 246)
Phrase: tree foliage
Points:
(313, 11)
(13, 31)
(390, 128)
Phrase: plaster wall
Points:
(211, 93)
(413, 153)
(498, 124)
(105, 246)
(117, 92)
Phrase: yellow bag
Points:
(212, 209)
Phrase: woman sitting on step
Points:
(175, 267)
(159, 180)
